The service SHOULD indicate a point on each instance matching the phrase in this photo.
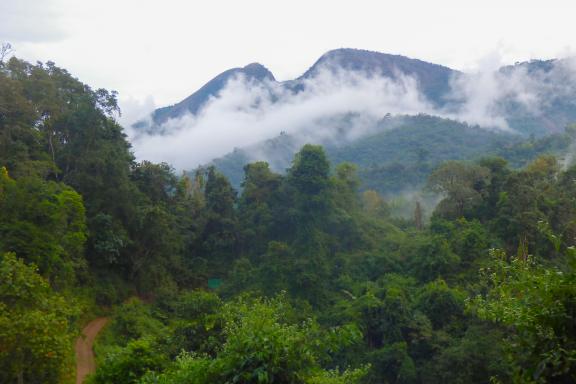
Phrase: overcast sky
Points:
(167, 49)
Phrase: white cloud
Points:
(246, 113)
(338, 106)
(134, 109)
(492, 93)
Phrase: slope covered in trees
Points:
(302, 277)
(418, 299)
(401, 152)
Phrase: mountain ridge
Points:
(193, 103)
(433, 80)
(552, 82)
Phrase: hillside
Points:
(553, 83)
(403, 151)
(399, 143)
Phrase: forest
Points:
(307, 276)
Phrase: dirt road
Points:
(84, 355)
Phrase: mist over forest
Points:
(377, 219)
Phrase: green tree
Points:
(530, 196)
(218, 241)
(477, 357)
(36, 333)
(156, 181)
(126, 365)
(309, 176)
(374, 205)
(440, 303)
(44, 222)
(537, 304)
(256, 207)
(430, 257)
(346, 184)
(263, 346)
(463, 185)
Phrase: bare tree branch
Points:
(5, 50)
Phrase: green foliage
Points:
(262, 346)
(156, 181)
(309, 176)
(374, 205)
(44, 222)
(477, 357)
(441, 304)
(537, 304)
(134, 320)
(196, 322)
(218, 238)
(36, 332)
(393, 364)
(127, 365)
(430, 257)
(256, 207)
(54, 127)
(462, 184)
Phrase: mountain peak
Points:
(257, 71)
(370, 61)
(193, 103)
(433, 79)
(352, 54)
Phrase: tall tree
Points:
(36, 334)
(309, 178)
(256, 207)
(45, 223)
(219, 240)
(463, 185)
(537, 304)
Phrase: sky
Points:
(155, 53)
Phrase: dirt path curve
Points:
(84, 355)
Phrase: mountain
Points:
(433, 80)
(252, 72)
(535, 97)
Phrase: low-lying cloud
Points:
(337, 106)
(246, 113)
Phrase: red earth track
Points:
(85, 363)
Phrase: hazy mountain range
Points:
(433, 80)
(550, 79)
(351, 99)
